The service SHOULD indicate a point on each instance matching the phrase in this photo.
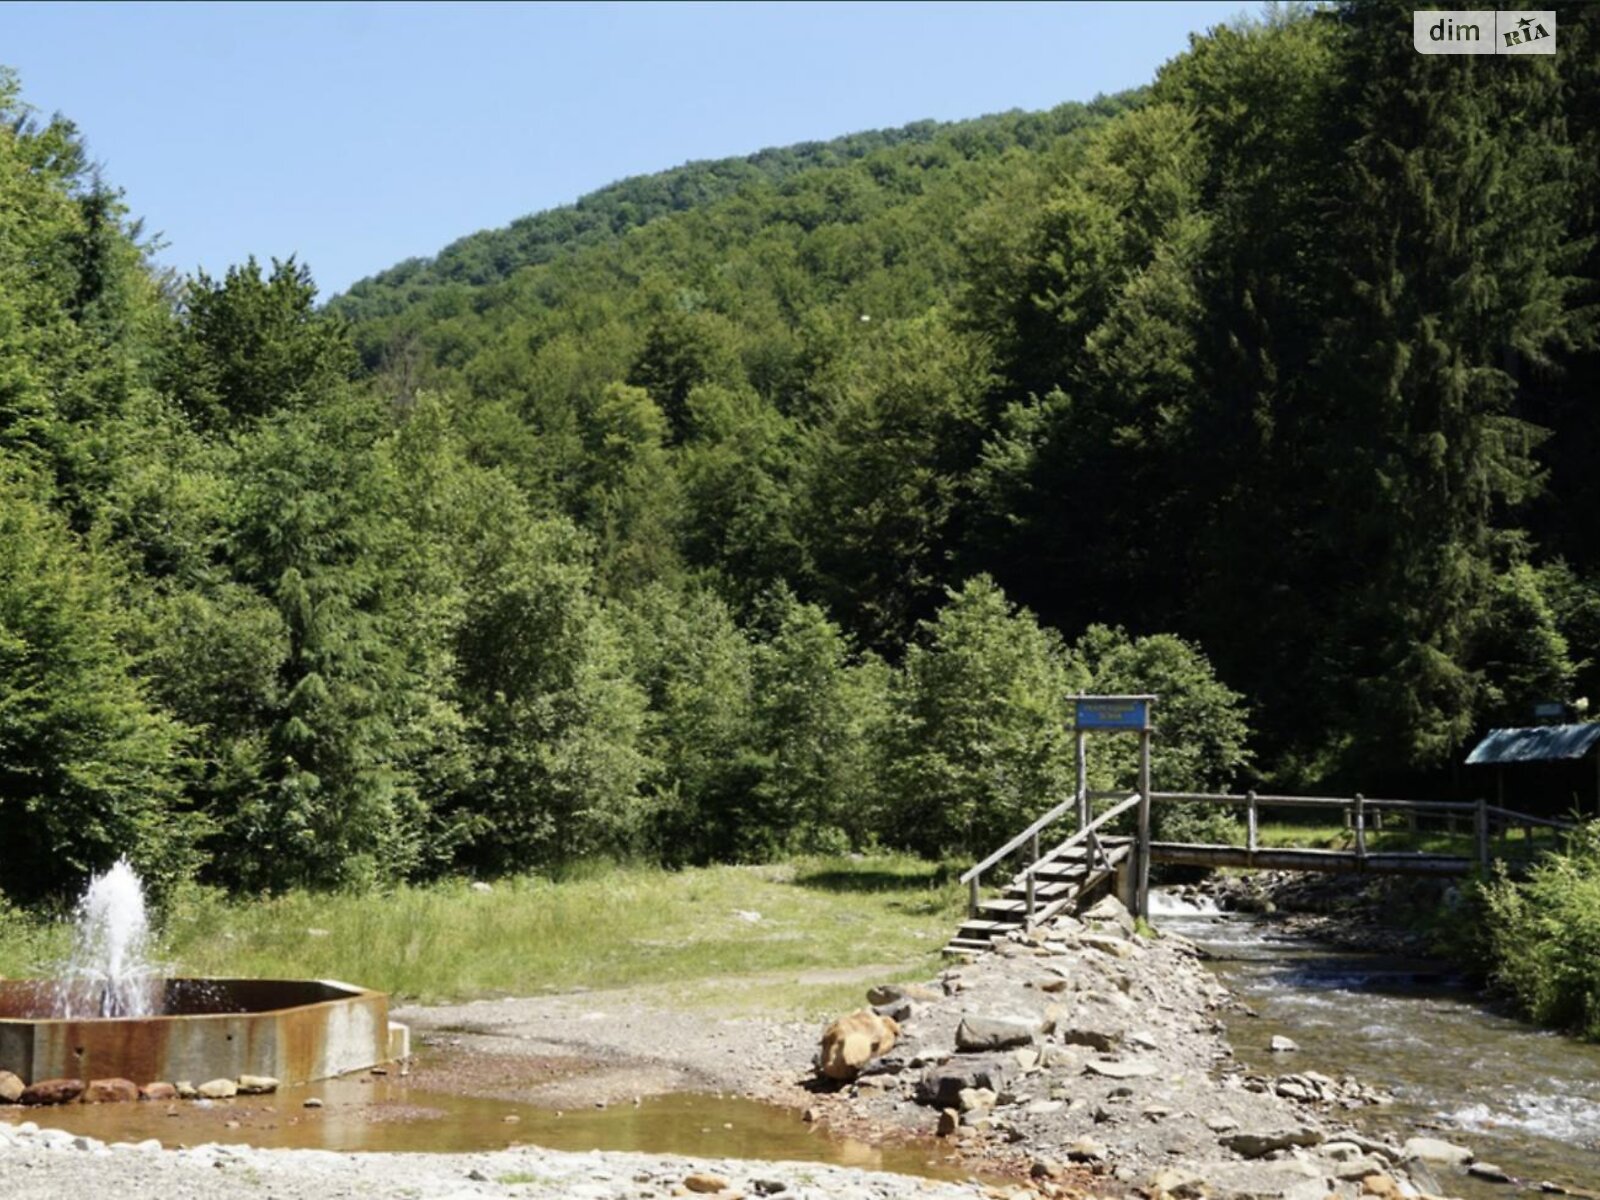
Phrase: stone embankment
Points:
(1085, 1047)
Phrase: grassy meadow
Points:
(795, 937)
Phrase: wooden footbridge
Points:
(1093, 860)
(1097, 856)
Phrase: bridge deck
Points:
(1339, 862)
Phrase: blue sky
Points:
(356, 135)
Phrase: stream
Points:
(1522, 1098)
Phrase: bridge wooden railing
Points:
(1356, 810)
(1086, 832)
(1363, 815)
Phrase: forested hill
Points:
(604, 215)
(783, 505)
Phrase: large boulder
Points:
(941, 1085)
(11, 1088)
(853, 1041)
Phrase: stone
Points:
(1488, 1172)
(11, 1088)
(1086, 1150)
(52, 1091)
(1096, 1038)
(975, 1100)
(704, 1182)
(1435, 1150)
(1176, 1181)
(852, 1041)
(1027, 1057)
(186, 1090)
(1120, 1070)
(977, 1034)
(898, 1011)
(217, 1089)
(1283, 1045)
(311, 1102)
(1357, 1169)
(257, 1085)
(1109, 911)
(1341, 1151)
(1259, 1144)
(1044, 1108)
(109, 1091)
(1222, 1124)
(1107, 944)
(949, 1121)
(1046, 1168)
(942, 1083)
(893, 993)
(158, 1091)
(1383, 1186)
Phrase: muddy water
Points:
(387, 1113)
(1526, 1100)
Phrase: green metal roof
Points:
(1542, 743)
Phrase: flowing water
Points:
(1524, 1099)
(108, 974)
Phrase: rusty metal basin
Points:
(295, 1030)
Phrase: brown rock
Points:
(110, 1091)
(52, 1091)
(949, 1122)
(217, 1089)
(1381, 1185)
(704, 1181)
(853, 1041)
(158, 1091)
(11, 1088)
(257, 1085)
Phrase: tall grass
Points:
(603, 926)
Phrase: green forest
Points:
(781, 504)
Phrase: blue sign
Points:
(1113, 712)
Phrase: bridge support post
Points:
(1481, 822)
(1142, 887)
(972, 899)
(1361, 832)
(1252, 822)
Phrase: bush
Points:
(1544, 936)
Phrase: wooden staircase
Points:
(1051, 884)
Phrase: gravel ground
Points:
(48, 1164)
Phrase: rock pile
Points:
(46, 1092)
(1084, 1047)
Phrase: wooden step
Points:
(1019, 891)
(961, 945)
(981, 925)
(1003, 906)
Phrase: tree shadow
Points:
(935, 875)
